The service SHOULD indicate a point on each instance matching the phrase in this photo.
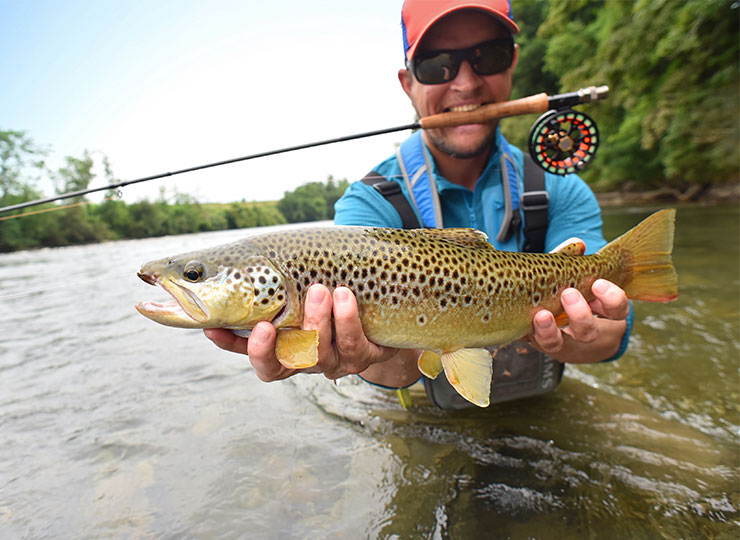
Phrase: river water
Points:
(115, 427)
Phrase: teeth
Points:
(464, 108)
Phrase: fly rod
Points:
(538, 103)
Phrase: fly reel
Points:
(563, 141)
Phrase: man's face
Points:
(465, 92)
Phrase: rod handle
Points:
(538, 103)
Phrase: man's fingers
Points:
(352, 346)
(226, 340)
(317, 316)
(349, 337)
(581, 322)
(610, 300)
(261, 351)
(547, 335)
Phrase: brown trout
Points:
(445, 291)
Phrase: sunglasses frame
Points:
(458, 55)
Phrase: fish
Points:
(447, 292)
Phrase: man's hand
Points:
(586, 339)
(350, 352)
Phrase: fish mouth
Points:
(184, 310)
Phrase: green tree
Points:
(672, 68)
(531, 75)
(313, 201)
(21, 164)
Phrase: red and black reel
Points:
(563, 141)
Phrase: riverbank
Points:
(708, 194)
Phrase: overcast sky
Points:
(163, 85)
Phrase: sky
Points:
(165, 85)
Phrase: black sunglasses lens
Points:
(486, 58)
(493, 57)
(437, 69)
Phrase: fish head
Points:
(210, 293)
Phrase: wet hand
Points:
(350, 352)
(586, 338)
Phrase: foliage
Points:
(21, 161)
(531, 75)
(313, 201)
(672, 67)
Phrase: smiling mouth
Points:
(464, 108)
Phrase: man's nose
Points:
(466, 79)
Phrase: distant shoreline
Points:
(708, 194)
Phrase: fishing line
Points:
(63, 207)
(539, 103)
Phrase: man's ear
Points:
(404, 77)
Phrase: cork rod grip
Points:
(528, 105)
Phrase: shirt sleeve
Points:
(364, 205)
(573, 211)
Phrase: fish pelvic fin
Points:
(430, 364)
(649, 271)
(470, 372)
(297, 349)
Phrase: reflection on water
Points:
(116, 427)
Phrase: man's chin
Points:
(464, 151)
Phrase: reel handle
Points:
(538, 103)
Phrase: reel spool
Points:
(563, 141)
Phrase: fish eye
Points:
(193, 271)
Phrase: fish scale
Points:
(447, 292)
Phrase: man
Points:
(459, 56)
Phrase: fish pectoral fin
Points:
(296, 349)
(430, 364)
(561, 320)
(470, 372)
(571, 247)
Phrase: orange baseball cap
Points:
(418, 16)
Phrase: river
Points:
(115, 427)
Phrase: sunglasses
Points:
(487, 58)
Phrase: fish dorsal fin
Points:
(460, 237)
(573, 247)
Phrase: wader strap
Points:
(391, 191)
(534, 204)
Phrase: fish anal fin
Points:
(573, 247)
(470, 372)
(430, 364)
(296, 349)
(561, 320)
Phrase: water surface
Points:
(115, 427)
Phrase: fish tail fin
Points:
(646, 254)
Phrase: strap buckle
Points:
(387, 188)
(535, 200)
